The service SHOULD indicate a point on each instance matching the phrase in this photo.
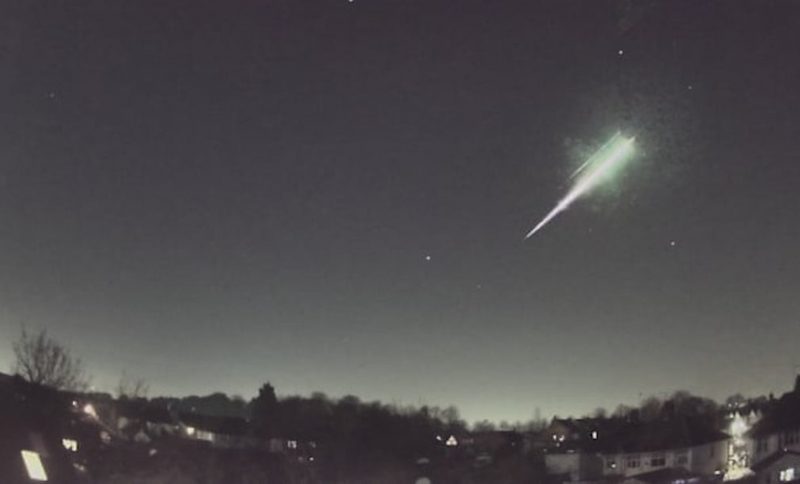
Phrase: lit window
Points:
(787, 475)
(33, 464)
(594, 434)
(292, 444)
(451, 442)
(189, 430)
(70, 444)
(611, 464)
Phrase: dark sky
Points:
(332, 196)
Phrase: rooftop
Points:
(622, 436)
(772, 458)
(783, 415)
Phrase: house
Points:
(217, 431)
(620, 449)
(689, 444)
(569, 433)
(563, 435)
(781, 466)
(32, 419)
(778, 429)
(143, 421)
(774, 440)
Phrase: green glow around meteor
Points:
(600, 167)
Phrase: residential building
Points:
(775, 440)
(623, 449)
(780, 467)
(32, 422)
(145, 419)
(218, 431)
(779, 427)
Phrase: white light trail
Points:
(598, 167)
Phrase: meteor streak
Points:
(598, 168)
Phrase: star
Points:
(427, 258)
(673, 243)
(620, 52)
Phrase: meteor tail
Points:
(594, 156)
(601, 164)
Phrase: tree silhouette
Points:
(131, 388)
(43, 360)
(264, 410)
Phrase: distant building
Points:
(775, 440)
(779, 467)
(144, 421)
(563, 435)
(217, 431)
(33, 419)
(779, 428)
(615, 449)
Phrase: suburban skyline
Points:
(332, 196)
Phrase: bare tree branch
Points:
(132, 388)
(41, 359)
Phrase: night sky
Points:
(333, 195)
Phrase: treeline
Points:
(311, 418)
(350, 437)
(683, 404)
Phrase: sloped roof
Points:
(218, 425)
(664, 434)
(621, 436)
(143, 410)
(772, 458)
(783, 415)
